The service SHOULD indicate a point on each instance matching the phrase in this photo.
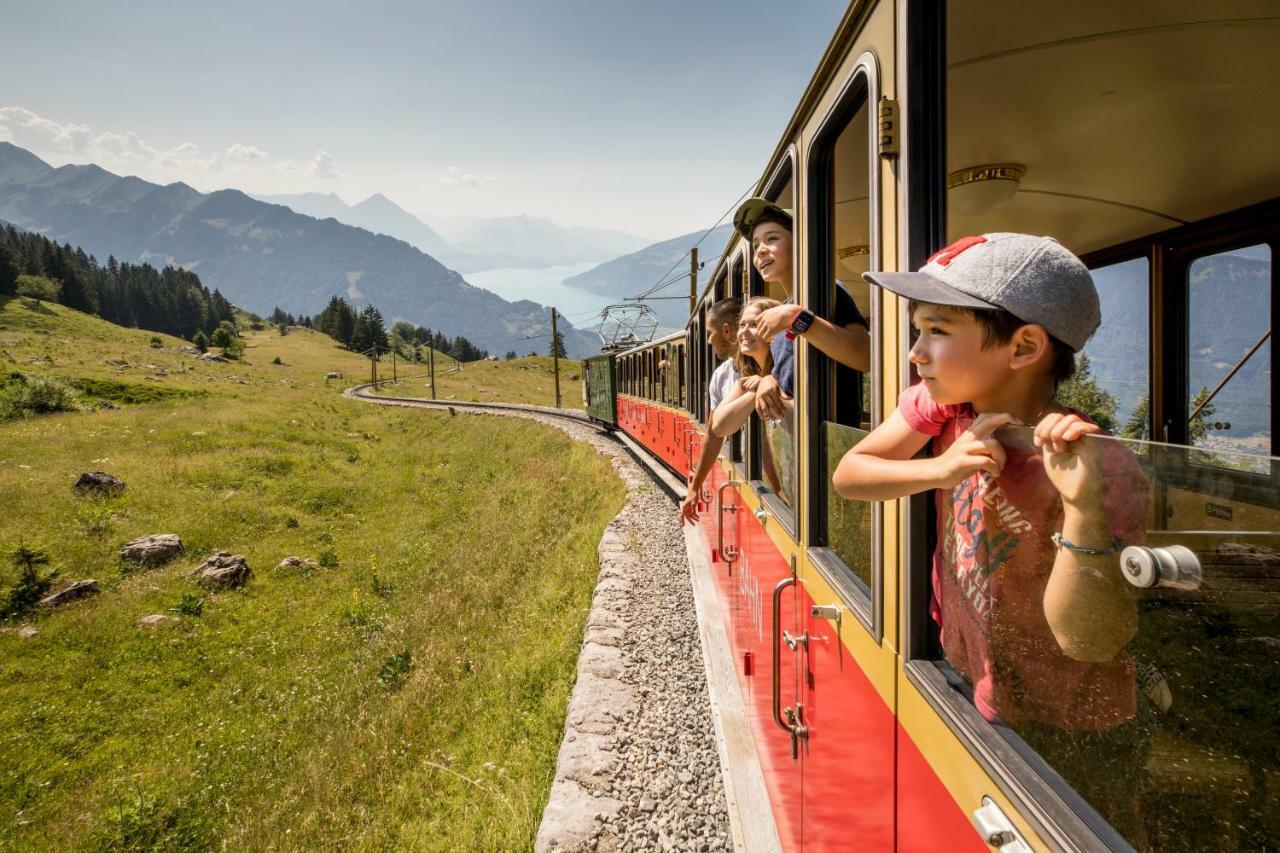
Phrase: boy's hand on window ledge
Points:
(1071, 463)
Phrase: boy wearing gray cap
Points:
(1027, 589)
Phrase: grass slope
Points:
(522, 380)
(281, 717)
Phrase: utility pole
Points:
(373, 365)
(555, 355)
(395, 379)
(431, 351)
(693, 280)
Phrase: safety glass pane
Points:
(848, 522)
(1229, 358)
(779, 462)
(1141, 661)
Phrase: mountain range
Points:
(470, 243)
(262, 255)
(634, 273)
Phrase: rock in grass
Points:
(305, 563)
(98, 483)
(150, 551)
(73, 591)
(221, 570)
(153, 620)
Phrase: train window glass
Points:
(842, 238)
(774, 277)
(1113, 376)
(1229, 357)
(739, 289)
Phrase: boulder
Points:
(153, 620)
(221, 570)
(299, 563)
(150, 551)
(73, 591)
(98, 483)
(213, 356)
(26, 632)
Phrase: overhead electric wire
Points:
(661, 282)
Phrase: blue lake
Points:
(546, 287)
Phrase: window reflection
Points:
(1170, 738)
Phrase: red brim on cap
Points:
(923, 287)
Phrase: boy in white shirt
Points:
(722, 334)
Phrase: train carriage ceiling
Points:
(1130, 117)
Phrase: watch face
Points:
(803, 320)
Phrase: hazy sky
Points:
(649, 117)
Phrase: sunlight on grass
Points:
(408, 691)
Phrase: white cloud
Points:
(456, 177)
(129, 152)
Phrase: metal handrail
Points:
(720, 511)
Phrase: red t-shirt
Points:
(990, 571)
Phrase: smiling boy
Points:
(844, 338)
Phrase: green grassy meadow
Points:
(529, 380)
(410, 695)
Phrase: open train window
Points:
(775, 458)
(737, 287)
(844, 243)
(1164, 179)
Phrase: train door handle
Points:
(731, 555)
(789, 719)
(1173, 566)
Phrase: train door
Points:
(848, 673)
(1142, 715)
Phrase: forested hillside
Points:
(170, 300)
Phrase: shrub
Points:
(276, 360)
(395, 670)
(34, 394)
(155, 342)
(95, 518)
(189, 605)
(30, 586)
(328, 558)
(200, 341)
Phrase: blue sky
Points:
(647, 117)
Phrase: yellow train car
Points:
(1143, 136)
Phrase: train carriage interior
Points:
(1134, 134)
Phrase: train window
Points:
(738, 287)
(1113, 376)
(1135, 694)
(775, 459)
(1229, 357)
(840, 223)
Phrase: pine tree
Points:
(200, 342)
(1198, 427)
(8, 272)
(1083, 392)
(1138, 426)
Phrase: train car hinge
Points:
(887, 118)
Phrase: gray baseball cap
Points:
(1035, 279)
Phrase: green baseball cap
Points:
(753, 210)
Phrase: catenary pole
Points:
(555, 355)
(431, 352)
(693, 280)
